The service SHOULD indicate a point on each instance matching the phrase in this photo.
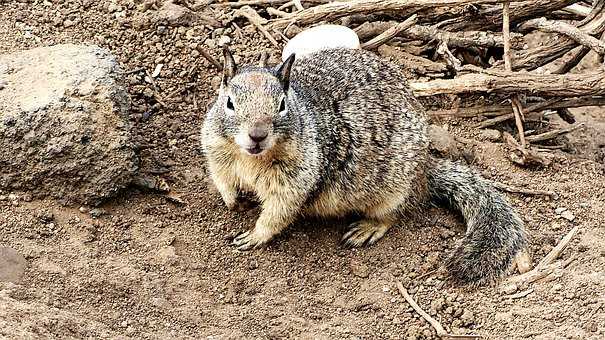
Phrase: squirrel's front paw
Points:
(249, 240)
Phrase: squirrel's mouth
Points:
(255, 150)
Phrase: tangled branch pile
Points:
(466, 47)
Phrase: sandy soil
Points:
(143, 266)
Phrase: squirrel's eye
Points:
(230, 104)
(282, 106)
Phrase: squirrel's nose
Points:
(258, 134)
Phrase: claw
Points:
(364, 233)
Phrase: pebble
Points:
(568, 215)
(3, 84)
(97, 212)
(83, 210)
(491, 135)
(224, 40)
(560, 210)
(12, 265)
(359, 269)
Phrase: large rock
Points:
(64, 128)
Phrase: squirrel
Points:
(339, 132)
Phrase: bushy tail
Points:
(494, 234)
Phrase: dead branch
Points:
(553, 85)
(593, 24)
(554, 133)
(434, 323)
(578, 10)
(243, 3)
(515, 103)
(335, 10)
(517, 190)
(546, 266)
(490, 17)
(418, 64)
(389, 34)
(568, 30)
(499, 110)
(258, 22)
(463, 39)
(209, 57)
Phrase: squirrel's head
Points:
(252, 105)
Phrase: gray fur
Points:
(353, 139)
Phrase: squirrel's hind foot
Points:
(365, 232)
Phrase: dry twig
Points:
(509, 188)
(335, 10)
(554, 133)
(434, 323)
(258, 22)
(568, 30)
(389, 34)
(548, 85)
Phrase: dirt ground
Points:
(143, 266)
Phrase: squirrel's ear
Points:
(283, 72)
(229, 66)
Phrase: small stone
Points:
(560, 210)
(3, 84)
(443, 142)
(97, 212)
(83, 210)
(557, 287)
(582, 205)
(359, 269)
(385, 289)
(491, 135)
(467, 318)
(568, 215)
(68, 23)
(12, 265)
(224, 40)
(13, 197)
(124, 324)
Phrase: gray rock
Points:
(491, 135)
(12, 265)
(443, 142)
(64, 130)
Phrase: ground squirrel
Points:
(339, 132)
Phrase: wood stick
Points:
(335, 10)
(390, 33)
(546, 266)
(413, 62)
(495, 120)
(558, 249)
(517, 190)
(498, 110)
(533, 58)
(434, 323)
(515, 103)
(535, 274)
(554, 133)
(277, 13)
(553, 85)
(568, 30)
(262, 3)
(464, 39)
(577, 9)
(209, 57)
(256, 20)
(490, 17)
